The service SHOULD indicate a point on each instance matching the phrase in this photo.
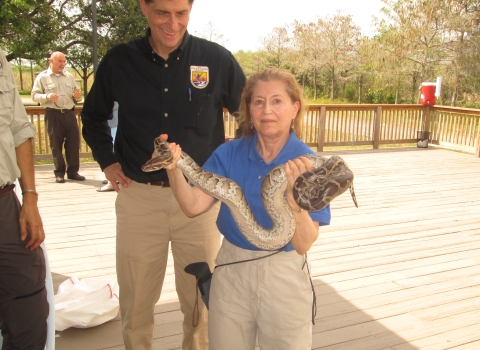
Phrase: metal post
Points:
(94, 32)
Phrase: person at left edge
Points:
(56, 90)
(23, 297)
(167, 82)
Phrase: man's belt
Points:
(6, 189)
(61, 110)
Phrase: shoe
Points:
(59, 179)
(76, 177)
(105, 182)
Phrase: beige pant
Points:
(148, 218)
(270, 298)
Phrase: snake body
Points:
(312, 191)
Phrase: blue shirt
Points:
(240, 161)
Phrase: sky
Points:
(244, 22)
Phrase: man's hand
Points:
(77, 95)
(52, 97)
(30, 218)
(114, 173)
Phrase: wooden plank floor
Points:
(400, 272)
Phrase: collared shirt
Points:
(15, 126)
(240, 161)
(62, 84)
(182, 96)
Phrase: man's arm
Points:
(37, 94)
(96, 111)
(29, 216)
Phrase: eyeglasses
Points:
(61, 102)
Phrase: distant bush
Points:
(469, 104)
(379, 96)
(350, 93)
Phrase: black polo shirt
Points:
(182, 96)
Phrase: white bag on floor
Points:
(86, 303)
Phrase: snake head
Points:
(163, 158)
(156, 163)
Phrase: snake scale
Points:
(312, 191)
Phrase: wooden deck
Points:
(400, 272)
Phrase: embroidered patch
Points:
(199, 76)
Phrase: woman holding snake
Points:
(269, 295)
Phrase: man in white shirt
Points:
(56, 90)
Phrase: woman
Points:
(270, 297)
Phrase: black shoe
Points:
(59, 179)
(76, 177)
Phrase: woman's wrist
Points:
(24, 192)
(297, 210)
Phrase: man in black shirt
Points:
(167, 82)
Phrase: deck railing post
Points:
(321, 128)
(477, 147)
(376, 127)
(426, 125)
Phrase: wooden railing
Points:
(348, 125)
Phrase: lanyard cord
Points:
(241, 261)
(314, 302)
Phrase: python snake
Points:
(313, 190)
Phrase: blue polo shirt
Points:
(240, 161)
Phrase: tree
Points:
(308, 58)
(340, 38)
(26, 25)
(463, 29)
(415, 30)
(66, 26)
(117, 21)
(249, 61)
(277, 48)
(211, 33)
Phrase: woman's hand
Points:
(293, 169)
(192, 200)
(306, 231)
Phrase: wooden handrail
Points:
(328, 125)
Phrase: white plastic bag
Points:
(86, 303)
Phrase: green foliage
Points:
(417, 40)
(469, 104)
(120, 21)
(350, 93)
(308, 92)
(26, 25)
(32, 29)
(379, 96)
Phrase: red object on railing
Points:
(427, 96)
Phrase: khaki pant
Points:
(148, 218)
(269, 298)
